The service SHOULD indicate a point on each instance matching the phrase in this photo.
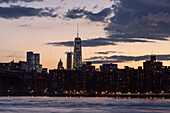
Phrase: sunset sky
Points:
(125, 32)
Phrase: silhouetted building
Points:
(108, 67)
(66, 80)
(153, 73)
(87, 67)
(77, 60)
(69, 60)
(60, 64)
(10, 66)
(44, 70)
(23, 65)
(23, 83)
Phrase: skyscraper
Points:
(153, 72)
(36, 61)
(29, 61)
(33, 62)
(69, 60)
(77, 60)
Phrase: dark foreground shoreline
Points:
(150, 96)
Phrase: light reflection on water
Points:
(82, 105)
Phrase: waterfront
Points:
(82, 105)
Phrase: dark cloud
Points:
(97, 42)
(75, 13)
(141, 19)
(69, 52)
(24, 25)
(95, 7)
(62, 0)
(122, 58)
(13, 55)
(15, 1)
(133, 21)
(15, 12)
(102, 61)
(82, 13)
(85, 43)
(107, 52)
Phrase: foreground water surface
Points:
(82, 105)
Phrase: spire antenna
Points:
(152, 53)
(77, 30)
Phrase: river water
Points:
(82, 105)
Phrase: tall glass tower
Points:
(33, 62)
(77, 60)
(69, 60)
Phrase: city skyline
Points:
(49, 28)
(152, 77)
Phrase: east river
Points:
(82, 105)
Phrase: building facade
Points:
(153, 74)
(69, 60)
(77, 61)
(33, 62)
(29, 61)
(36, 61)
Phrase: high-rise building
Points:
(152, 65)
(69, 60)
(60, 64)
(29, 61)
(77, 60)
(33, 62)
(36, 61)
(153, 73)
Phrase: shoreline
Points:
(78, 95)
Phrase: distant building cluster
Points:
(30, 78)
(153, 78)
(84, 78)
(32, 64)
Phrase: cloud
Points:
(69, 52)
(15, 1)
(95, 7)
(75, 13)
(15, 12)
(123, 58)
(107, 52)
(9, 55)
(133, 21)
(82, 13)
(102, 61)
(24, 25)
(95, 42)
(85, 43)
(141, 19)
(62, 0)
